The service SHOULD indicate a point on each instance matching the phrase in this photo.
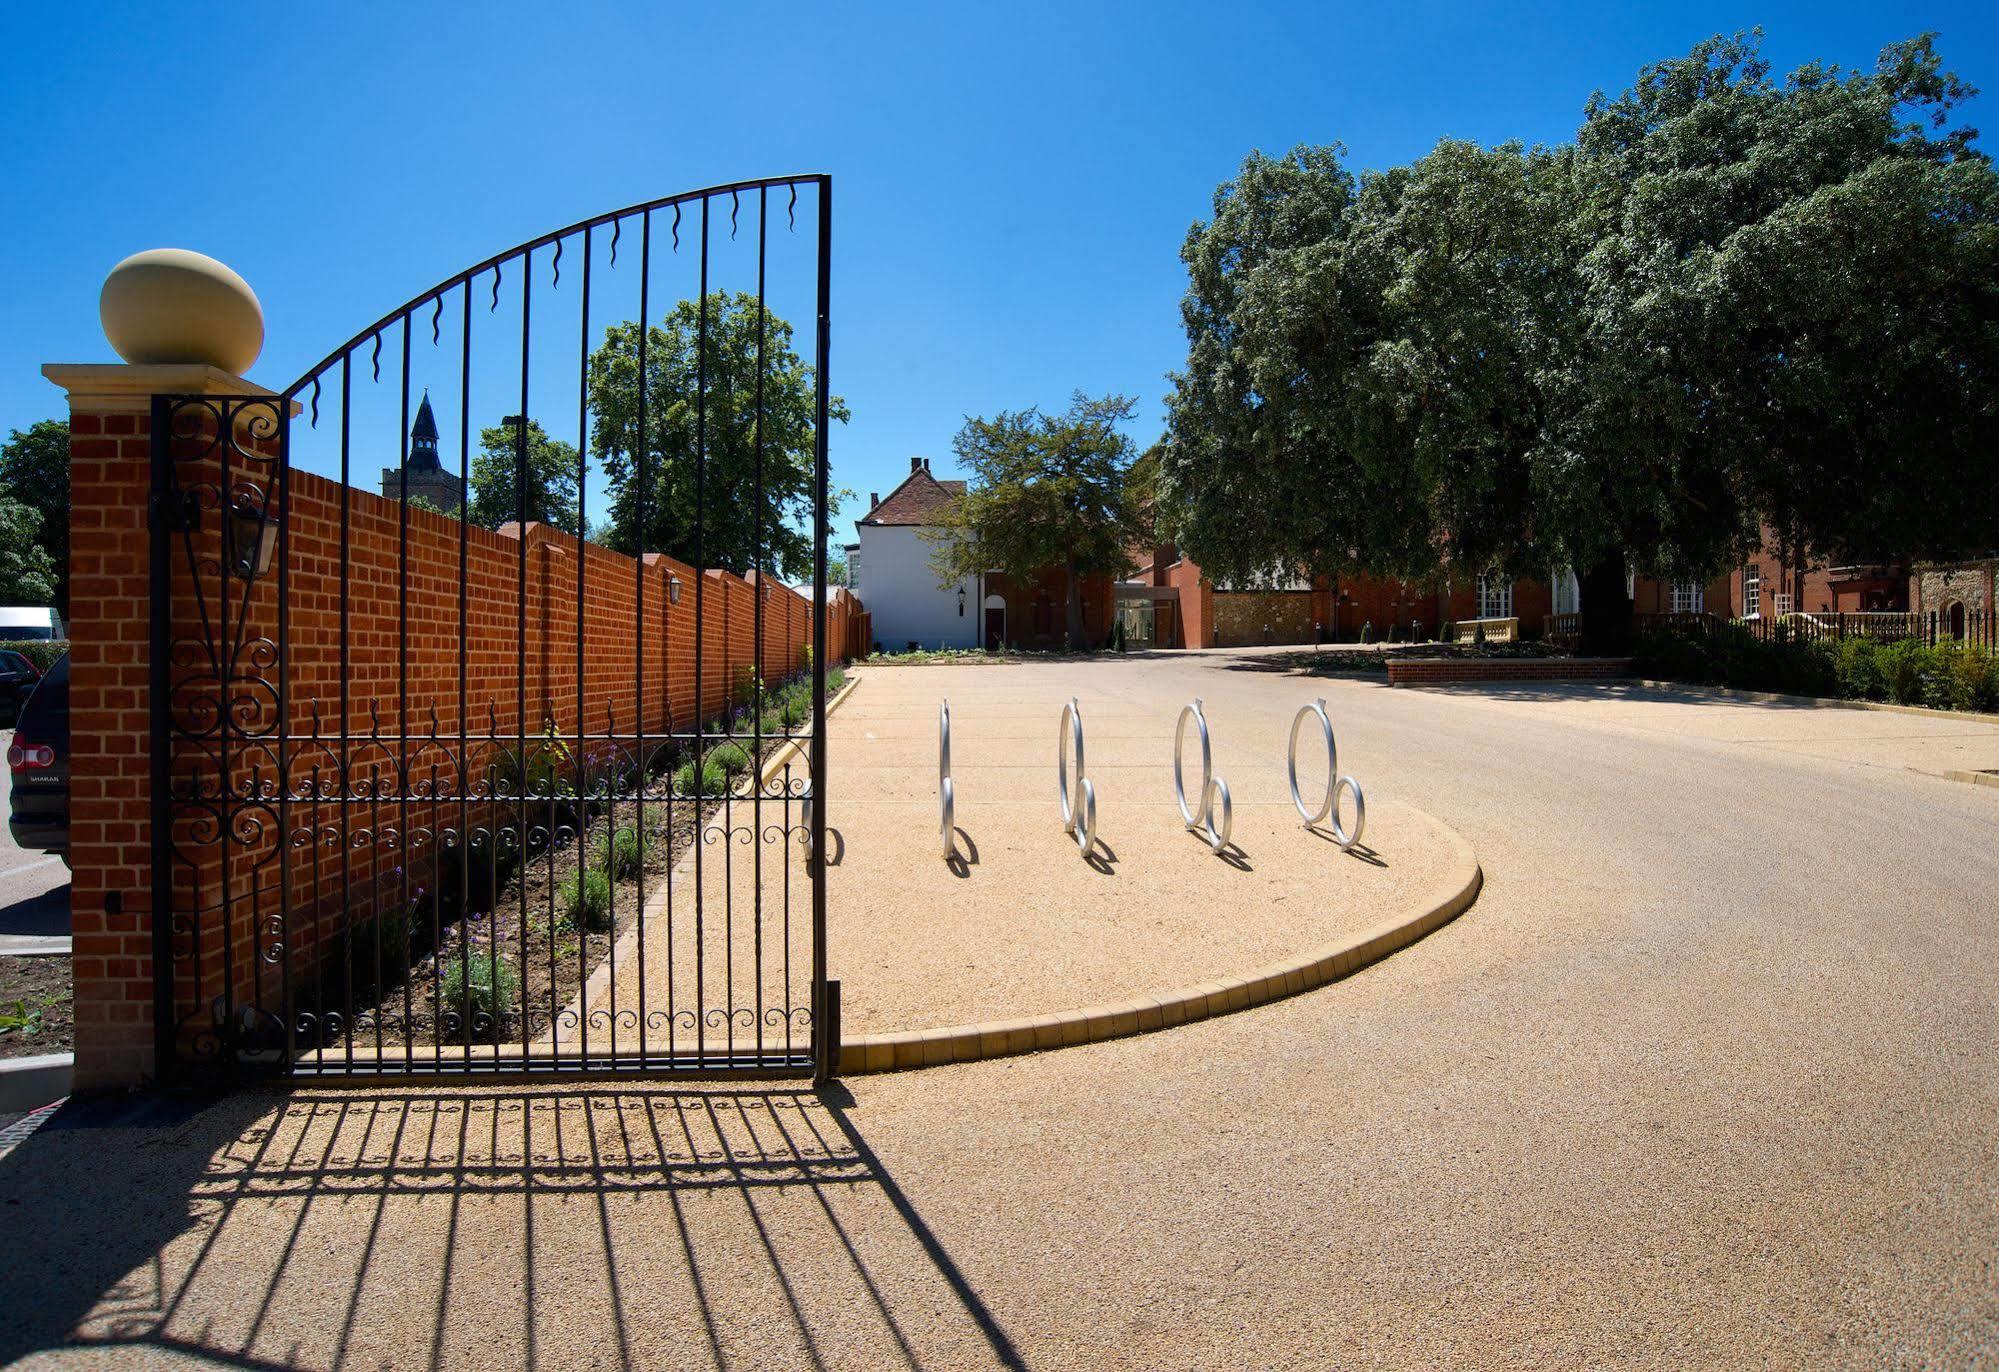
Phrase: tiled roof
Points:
(920, 499)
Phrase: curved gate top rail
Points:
(436, 294)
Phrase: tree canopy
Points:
(1731, 299)
(1045, 491)
(663, 512)
(34, 471)
(27, 573)
(551, 478)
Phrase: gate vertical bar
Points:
(700, 621)
(824, 1032)
(160, 527)
(283, 479)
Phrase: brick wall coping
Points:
(1447, 671)
(890, 1052)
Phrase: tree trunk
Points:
(1606, 609)
(1075, 616)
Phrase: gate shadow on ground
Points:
(635, 1227)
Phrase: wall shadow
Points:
(42, 915)
(595, 1225)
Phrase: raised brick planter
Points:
(1450, 671)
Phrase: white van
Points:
(24, 623)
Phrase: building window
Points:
(1752, 592)
(1568, 592)
(1689, 597)
(1495, 597)
(1781, 602)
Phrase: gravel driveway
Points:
(1708, 1076)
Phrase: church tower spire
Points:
(422, 474)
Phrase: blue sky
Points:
(1012, 181)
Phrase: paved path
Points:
(34, 888)
(1707, 1077)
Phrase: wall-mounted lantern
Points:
(961, 602)
(672, 588)
(253, 540)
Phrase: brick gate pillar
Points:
(111, 926)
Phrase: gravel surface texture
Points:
(1707, 1077)
(1023, 924)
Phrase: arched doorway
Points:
(1953, 620)
(995, 628)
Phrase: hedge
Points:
(43, 652)
(1943, 676)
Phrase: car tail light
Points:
(29, 757)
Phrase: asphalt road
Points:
(34, 886)
(1708, 1077)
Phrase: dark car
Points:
(38, 765)
(17, 678)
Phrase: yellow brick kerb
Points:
(889, 1052)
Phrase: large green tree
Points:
(1045, 491)
(34, 470)
(27, 573)
(709, 374)
(1731, 299)
(551, 478)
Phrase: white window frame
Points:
(1752, 591)
(1495, 597)
(1688, 598)
(1568, 592)
(1781, 603)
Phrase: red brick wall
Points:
(1037, 611)
(1197, 612)
(404, 631)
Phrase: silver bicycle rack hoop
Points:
(1329, 803)
(1079, 803)
(946, 800)
(1213, 792)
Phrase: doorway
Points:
(995, 637)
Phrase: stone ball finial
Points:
(172, 305)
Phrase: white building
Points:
(889, 568)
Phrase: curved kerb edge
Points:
(904, 1049)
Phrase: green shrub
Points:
(712, 780)
(732, 758)
(621, 852)
(1978, 680)
(795, 712)
(835, 680)
(489, 984)
(1908, 672)
(1902, 669)
(1860, 671)
(43, 652)
(585, 899)
(546, 769)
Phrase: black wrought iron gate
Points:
(518, 765)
